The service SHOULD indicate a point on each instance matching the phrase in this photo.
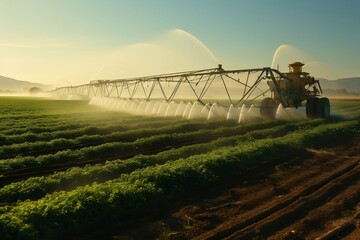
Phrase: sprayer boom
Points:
(236, 87)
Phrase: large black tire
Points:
(323, 108)
(311, 107)
(268, 108)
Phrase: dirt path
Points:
(273, 219)
(296, 201)
(305, 197)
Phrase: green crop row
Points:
(39, 133)
(16, 106)
(37, 126)
(37, 187)
(346, 109)
(59, 144)
(50, 120)
(113, 150)
(49, 133)
(120, 198)
(34, 127)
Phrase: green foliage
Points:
(186, 155)
(38, 186)
(113, 149)
(121, 197)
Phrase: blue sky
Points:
(57, 41)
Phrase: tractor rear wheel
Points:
(323, 108)
(268, 108)
(311, 107)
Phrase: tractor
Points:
(291, 89)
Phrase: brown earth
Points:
(314, 196)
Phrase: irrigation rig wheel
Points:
(323, 108)
(318, 107)
(311, 107)
(268, 108)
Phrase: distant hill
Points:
(8, 85)
(351, 85)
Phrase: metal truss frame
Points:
(145, 86)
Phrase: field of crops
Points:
(66, 165)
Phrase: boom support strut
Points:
(199, 83)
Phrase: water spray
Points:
(249, 95)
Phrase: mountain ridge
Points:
(351, 85)
(8, 84)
